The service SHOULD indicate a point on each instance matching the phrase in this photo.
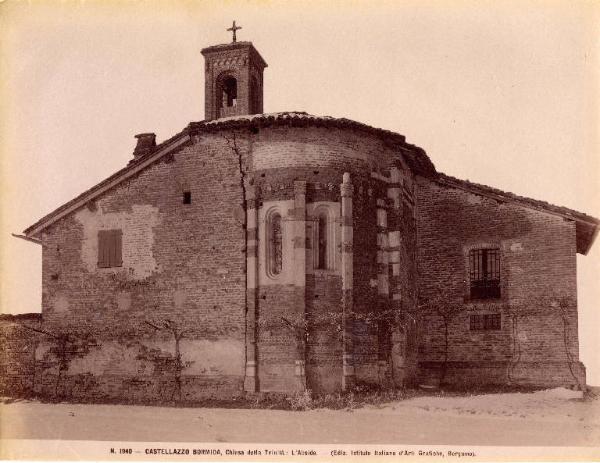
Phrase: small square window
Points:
(187, 197)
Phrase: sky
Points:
(501, 93)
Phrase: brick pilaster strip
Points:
(348, 378)
(298, 217)
(251, 373)
(394, 193)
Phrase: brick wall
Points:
(324, 343)
(186, 263)
(320, 156)
(182, 262)
(538, 265)
(17, 353)
(367, 348)
(316, 148)
(241, 62)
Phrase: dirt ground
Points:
(555, 417)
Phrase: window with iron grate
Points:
(485, 322)
(484, 273)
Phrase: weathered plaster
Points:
(473, 198)
(221, 357)
(138, 238)
(41, 350)
(60, 302)
(204, 357)
(124, 300)
(111, 357)
(274, 153)
(516, 247)
(179, 298)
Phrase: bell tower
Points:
(233, 79)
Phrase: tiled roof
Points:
(416, 158)
(587, 226)
(488, 190)
(92, 192)
(20, 316)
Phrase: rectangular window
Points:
(484, 273)
(110, 248)
(486, 322)
(187, 197)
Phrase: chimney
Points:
(146, 142)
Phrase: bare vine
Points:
(177, 364)
(66, 346)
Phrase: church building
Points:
(280, 252)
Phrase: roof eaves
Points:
(507, 196)
(132, 168)
(586, 225)
(585, 249)
(415, 156)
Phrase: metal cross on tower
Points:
(233, 29)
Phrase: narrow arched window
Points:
(275, 245)
(322, 244)
(228, 92)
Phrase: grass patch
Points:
(361, 396)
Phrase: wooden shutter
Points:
(110, 248)
(118, 260)
(103, 249)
